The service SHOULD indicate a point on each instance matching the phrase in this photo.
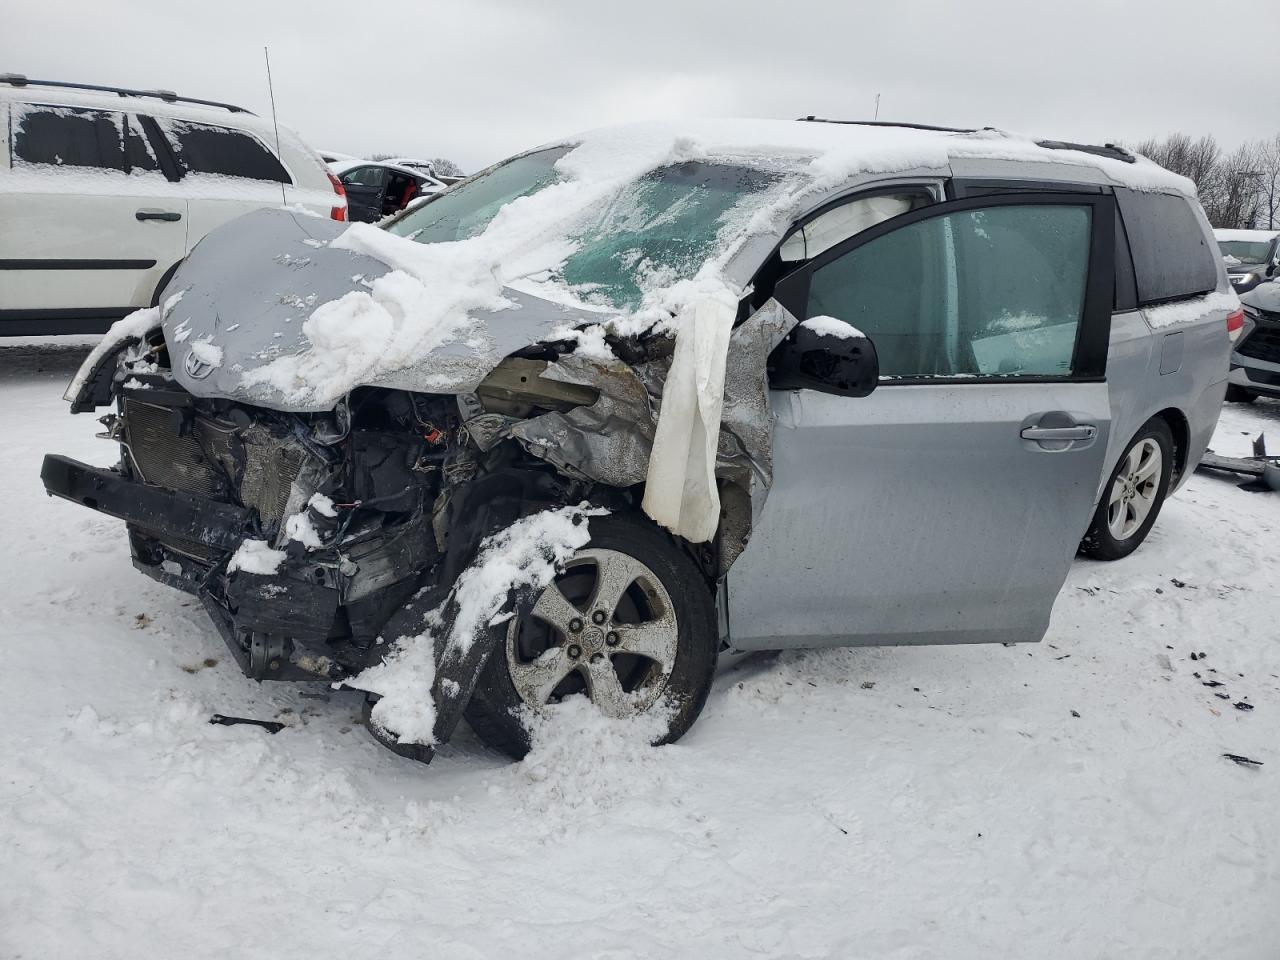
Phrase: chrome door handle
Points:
(148, 213)
(1084, 431)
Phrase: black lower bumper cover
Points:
(181, 515)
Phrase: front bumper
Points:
(254, 614)
(171, 513)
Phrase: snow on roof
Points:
(1220, 234)
(837, 151)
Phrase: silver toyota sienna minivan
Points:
(795, 384)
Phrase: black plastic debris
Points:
(1210, 683)
(1223, 696)
(1243, 761)
(1241, 705)
(1075, 714)
(1180, 584)
(270, 726)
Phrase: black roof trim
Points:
(890, 123)
(168, 96)
(1110, 150)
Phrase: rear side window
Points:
(68, 136)
(203, 148)
(1171, 258)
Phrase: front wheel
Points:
(1134, 495)
(630, 624)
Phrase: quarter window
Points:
(204, 148)
(993, 291)
(69, 137)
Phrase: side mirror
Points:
(827, 355)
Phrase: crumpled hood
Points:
(240, 301)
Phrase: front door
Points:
(365, 188)
(91, 221)
(948, 504)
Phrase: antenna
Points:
(876, 117)
(272, 91)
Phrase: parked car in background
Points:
(379, 189)
(939, 380)
(104, 190)
(1252, 256)
(1255, 360)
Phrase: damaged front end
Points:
(312, 538)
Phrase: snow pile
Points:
(584, 761)
(256, 556)
(825, 326)
(524, 557)
(1188, 311)
(300, 528)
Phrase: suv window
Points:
(68, 136)
(204, 148)
(1171, 258)
(993, 291)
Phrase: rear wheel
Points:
(1237, 394)
(1134, 495)
(629, 624)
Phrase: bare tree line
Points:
(1237, 189)
(443, 165)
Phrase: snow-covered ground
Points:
(927, 802)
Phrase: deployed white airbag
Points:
(680, 490)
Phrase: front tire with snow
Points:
(1134, 494)
(630, 624)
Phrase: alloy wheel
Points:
(606, 627)
(1134, 489)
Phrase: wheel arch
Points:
(1180, 427)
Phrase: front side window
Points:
(993, 291)
(204, 148)
(69, 137)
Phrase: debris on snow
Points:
(1243, 761)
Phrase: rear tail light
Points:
(1235, 324)
(339, 212)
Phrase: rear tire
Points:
(1237, 394)
(1134, 495)
(630, 623)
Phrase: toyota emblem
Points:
(196, 368)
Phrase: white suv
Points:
(103, 192)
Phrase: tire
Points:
(1133, 496)
(1237, 394)
(665, 608)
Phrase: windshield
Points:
(465, 211)
(652, 232)
(1245, 251)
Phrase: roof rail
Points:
(890, 123)
(1112, 151)
(168, 96)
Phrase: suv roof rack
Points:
(168, 96)
(891, 123)
(1112, 151)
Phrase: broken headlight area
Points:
(346, 498)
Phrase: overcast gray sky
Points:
(476, 80)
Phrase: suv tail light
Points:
(1235, 323)
(340, 212)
